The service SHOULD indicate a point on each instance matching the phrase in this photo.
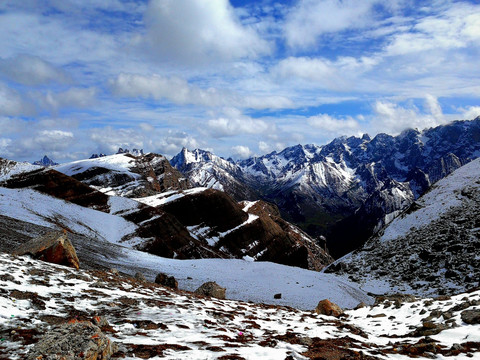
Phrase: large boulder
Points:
(165, 280)
(471, 316)
(53, 247)
(211, 289)
(326, 307)
(69, 340)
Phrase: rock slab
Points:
(211, 289)
(53, 247)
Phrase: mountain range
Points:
(345, 190)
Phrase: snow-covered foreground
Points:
(149, 321)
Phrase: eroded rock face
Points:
(326, 307)
(211, 289)
(53, 247)
(74, 340)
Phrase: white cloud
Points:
(392, 118)
(73, 97)
(328, 74)
(470, 112)
(241, 152)
(434, 107)
(193, 31)
(179, 91)
(455, 26)
(327, 123)
(235, 123)
(310, 19)
(12, 103)
(31, 70)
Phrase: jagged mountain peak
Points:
(45, 161)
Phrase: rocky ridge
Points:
(432, 247)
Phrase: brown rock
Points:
(211, 289)
(166, 280)
(326, 307)
(53, 247)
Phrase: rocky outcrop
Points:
(165, 280)
(72, 341)
(211, 289)
(54, 247)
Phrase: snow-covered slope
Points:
(431, 248)
(148, 321)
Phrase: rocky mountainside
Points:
(431, 248)
(186, 224)
(351, 186)
(127, 175)
(49, 309)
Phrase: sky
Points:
(238, 78)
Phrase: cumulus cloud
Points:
(241, 152)
(193, 31)
(31, 70)
(73, 97)
(392, 118)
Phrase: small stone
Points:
(140, 277)
(277, 296)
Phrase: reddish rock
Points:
(53, 247)
(326, 307)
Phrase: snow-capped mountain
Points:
(45, 161)
(205, 169)
(349, 186)
(432, 247)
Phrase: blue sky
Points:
(239, 78)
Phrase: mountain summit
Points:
(45, 161)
